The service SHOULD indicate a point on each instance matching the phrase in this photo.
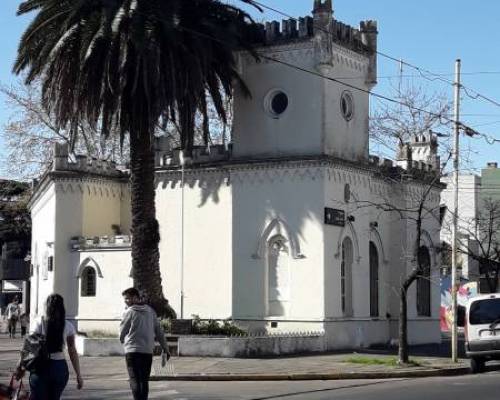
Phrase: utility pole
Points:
(454, 253)
(182, 160)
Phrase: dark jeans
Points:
(50, 383)
(12, 326)
(139, 369)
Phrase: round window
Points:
(347, 105)
(276, 103)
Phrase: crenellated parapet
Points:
(167, 157)
(80, 163)
(321, 25)
(362, 40)
(405, 166)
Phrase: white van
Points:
(482, 330)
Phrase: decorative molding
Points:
(357, 60)
(427, 239)
(282, 229)
(92, 188)
(349, 227)
(377, 239)
(88, 262)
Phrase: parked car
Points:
(482, 330)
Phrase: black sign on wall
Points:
(334, 216)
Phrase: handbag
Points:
(14, 391)
(34, 354)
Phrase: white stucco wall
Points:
(207, 242)
(298, 130)
(112, 277)
(294, 195)
(64, 208)
(42, 234)
(346, 139)
(365, 194)
(102, 208)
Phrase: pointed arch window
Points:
(424, 283)
(374, 281)
(88, 282)
(346, 277)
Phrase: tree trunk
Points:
(403, 353)
(145, 228)
(403, 327)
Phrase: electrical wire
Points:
(420, 70)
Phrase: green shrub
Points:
(214, 327)
(166, 324)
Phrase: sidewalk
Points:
(306, 367)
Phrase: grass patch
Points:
(388, 361)
(97, 334)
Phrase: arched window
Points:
(278, 277)
(424, 283)
(88, 282)
(374, 284)
(346, 277)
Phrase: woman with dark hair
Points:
(50, 383)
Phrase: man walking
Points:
(13, 311)
(138, 330)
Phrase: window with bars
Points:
(88, 282)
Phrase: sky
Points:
(428, 34)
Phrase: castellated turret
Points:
(419, 153)
(299, 105)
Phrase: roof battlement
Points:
(83, 163)
(361, 40)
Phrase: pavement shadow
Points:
(442, 349)
(296, 393)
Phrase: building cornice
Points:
(71, 176)
(382, 173)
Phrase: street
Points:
(482, 387)
(106, 378)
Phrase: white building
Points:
(284, 231)
(469, 186)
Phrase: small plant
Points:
(389, 361)
(213, 327)
(166, 325)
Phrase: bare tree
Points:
(220, 132)
(416, 113)
(394, 125)
(413, 202)
(479, 241)
(30, 133)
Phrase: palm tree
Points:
(123, 64)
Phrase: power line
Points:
(466, 129)
(420, 70)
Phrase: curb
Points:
(315, 376)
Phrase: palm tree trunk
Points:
(145, 228)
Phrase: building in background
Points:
(15, 238)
